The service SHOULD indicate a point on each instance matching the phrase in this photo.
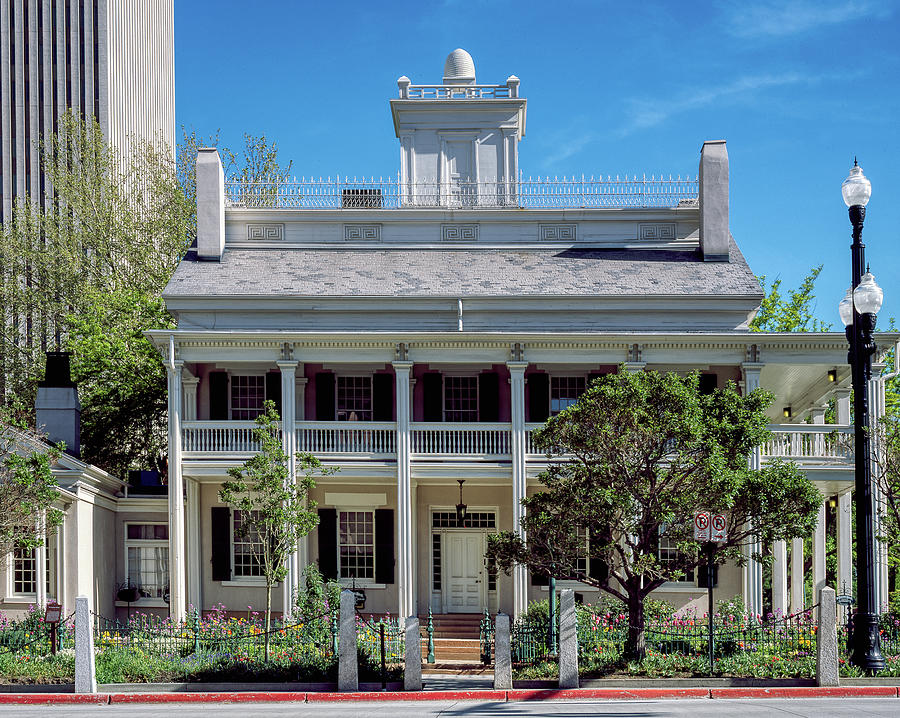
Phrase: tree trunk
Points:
(635, 646)
(268, 617)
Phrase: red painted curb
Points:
(542, 694)
(53, 698)
(407, 696)
(811, 692)
(248, 697)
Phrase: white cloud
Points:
(790, 17)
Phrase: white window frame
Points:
(682, 582)
(582, 377)
(356, 375)
(11, 593)
(150, 601)
(347, 580)
(466, 375)
(235, 579)
(234, 375)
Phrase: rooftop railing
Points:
(343, 192)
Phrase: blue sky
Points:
(797, 88)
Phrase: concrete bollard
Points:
(348, 665)
(85, 669)
(827, 670)
(502, 657)
(568, 640)
(412, 659)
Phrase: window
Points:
(460, 398)
(670, 556)
(356, 541)
(247, 396)
(24, 570)
(247, 548)
(147, 559)
(354, 398)
(564, 391)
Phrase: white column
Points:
(300, 404)
(177, 588)
(194, 570)
(189, 382)
(877, 410)
(798, 595)
(519, 480)
(753, 578)
(842, 406)
(844, 544)
(40, 560)
(779, 579)
(289, 444)
(818, 554)
(300, 390)
(405, 533)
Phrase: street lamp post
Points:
(857, 310)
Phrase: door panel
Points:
(463, 572)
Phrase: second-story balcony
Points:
(809, 445)
(344, 192)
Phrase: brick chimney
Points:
(57, 409)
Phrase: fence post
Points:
(85, 670)
(568, 640)
(502, 656)
(412, 659)
(827, 673)
(348, 668)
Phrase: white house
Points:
(415, 329)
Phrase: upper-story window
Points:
(247, 396)
(460, 398)
(564, 392)
(354, 398)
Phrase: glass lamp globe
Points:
(856, 189)
(868, 296)
(845, 308)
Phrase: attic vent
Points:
(361, 198)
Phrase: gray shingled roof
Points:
(460, 273)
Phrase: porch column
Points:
(189, 382)
(177, 587)
(40, 561)
(779, 579)
(289, 444)
(194, 572)
(844, 544)
(818, 554)
(753, 575)
(798, 595)
(300, 415)
(876, 413)
(519, 479)
(300, 390)
(405, 570)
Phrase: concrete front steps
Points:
(457, 644)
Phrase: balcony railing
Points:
(390, 193)
(807, 444)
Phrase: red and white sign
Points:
(719, 533)
(701, 526)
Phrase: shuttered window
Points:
(564, 392)
(354, 398)
(247, 396)
(460, 398)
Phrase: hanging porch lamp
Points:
(461, 507)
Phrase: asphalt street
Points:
(812, 708)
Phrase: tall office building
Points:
(110, 59)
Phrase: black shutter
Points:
(382, 397)
(325, 396)
(384, 545)
(432, 388)
(328, 543)
(539, 579)
(273, 389)
(703, 572)
(220, 525)
(538, 397)
(594, 375)
(489, 397)
(708, 383)
(597, 567)
(218, 396)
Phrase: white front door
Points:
(464, 572)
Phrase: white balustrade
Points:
(462, 439)
(820, 443)
(362, 438)
(213, 437)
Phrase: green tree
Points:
(28, 488)
(794, 314)
(274, 512)
(635, 458)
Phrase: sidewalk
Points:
(451, 694)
